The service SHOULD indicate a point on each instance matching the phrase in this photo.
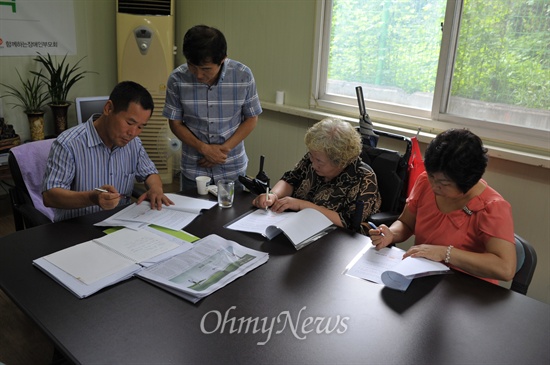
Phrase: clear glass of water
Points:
(226, 192)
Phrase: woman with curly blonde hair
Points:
(330, 178)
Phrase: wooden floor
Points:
(21, 341)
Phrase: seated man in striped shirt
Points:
(93, 166)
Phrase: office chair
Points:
(27, 164)
(391, 169)
(527, 262)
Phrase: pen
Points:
(266, 197)
(373, 226)
(105, 191)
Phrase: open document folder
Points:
(190, 270)
(90, 266)
(387, 266)
(301, 228)
(177, 216)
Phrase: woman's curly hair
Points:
(338, 139)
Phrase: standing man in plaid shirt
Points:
(212, 106)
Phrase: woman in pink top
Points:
(456, 217)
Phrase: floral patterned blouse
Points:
(357, 182)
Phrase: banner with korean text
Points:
(31, 26)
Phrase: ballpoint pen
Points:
(106, 191)
(266, 197)
(374, 227)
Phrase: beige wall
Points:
(275, 39)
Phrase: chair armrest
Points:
(32, 216)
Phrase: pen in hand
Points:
(373, 226)
(106, 191)
(266, 197)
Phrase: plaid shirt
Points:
(213, 114)
(80, 161)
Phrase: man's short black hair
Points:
(127, 92)
(203, 44)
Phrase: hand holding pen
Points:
(107, 199)
(376, 235)
(375, 228)
(264, 200)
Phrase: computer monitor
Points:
(88, 106)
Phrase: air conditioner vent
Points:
(149, 62)
(144, 7)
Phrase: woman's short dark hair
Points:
(459, 155)
(127, 92)
(203, 44)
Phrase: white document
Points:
(387, 266)
(90, 266)
(177, 216)
(188, 204)
(102, 257)
(89, 262)
(301, 227)
(212, 263)
(258, 220)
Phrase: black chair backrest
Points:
(385, 164)
(391, 169)
(527, 263)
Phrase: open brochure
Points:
(301, 227)
(387, 266)
(86, 268)
(177, 216)
(210, 265)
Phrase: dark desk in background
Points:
(448, 319)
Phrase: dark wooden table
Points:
(298, 308)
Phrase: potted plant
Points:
(31, 98)
(59, 78)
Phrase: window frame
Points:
(517, 138)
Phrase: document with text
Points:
(301, 228)
(387, 266)
(88, 267)
(177, 216)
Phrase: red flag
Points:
(416, 164)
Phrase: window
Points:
(436, 64)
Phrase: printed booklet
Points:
(387, 266)
(301, 228)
